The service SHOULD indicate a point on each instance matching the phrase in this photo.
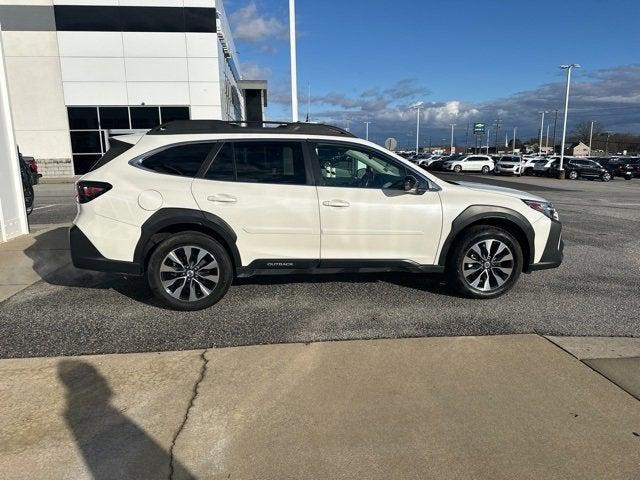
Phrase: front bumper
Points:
(85, 255)
(553, 251)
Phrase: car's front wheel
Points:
(485, 170)
(189, 271)
(485, 263)
(573, 175)
(457, 168)
(606, 177)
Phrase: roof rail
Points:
(184, 127)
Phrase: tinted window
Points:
(184, 160)
(85, 142)
(350, 166)
(144, 117)
(270, 162)
(83, 118)
(222, 166)
(114, 117)
(174, 113)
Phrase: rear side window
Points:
(183, 160)
(116, 148)
(260, 162)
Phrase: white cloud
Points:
(249, 25)
(253, 71)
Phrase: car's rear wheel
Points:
(485, 263)
(573, 175)
(457, 168)
(190, 271)
(485, 170)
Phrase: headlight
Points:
(546, 208)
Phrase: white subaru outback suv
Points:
(194, 204)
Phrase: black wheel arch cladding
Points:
(500, 217)
(174, 220)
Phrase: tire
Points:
(606, 177)
(573, 175)
(190, 293)
(485, 170)
(467, 282)
(457, 168)
(29, 198)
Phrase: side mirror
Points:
(413, 186)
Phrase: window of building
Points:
(351, 166)
(91, 127)
(183, 160)
(260, 162)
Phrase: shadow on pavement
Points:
(111, 444)
(136, 288)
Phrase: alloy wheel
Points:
(189, 273)
(487, 265)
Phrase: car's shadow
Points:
(136, 288)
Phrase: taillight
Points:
(87, 191)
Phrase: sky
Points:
(468, 61)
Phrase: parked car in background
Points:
(541, 167)
(470, 163)
(33, 169)
(625, 167)
(428, 161)
(528, 162)
(438, 164)
(576, 168)
(509, 165)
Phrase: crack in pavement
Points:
(194, 395)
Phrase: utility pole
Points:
(568, 68)
(294, 73)
(466, 139)
(513, 152)
(591, 136)
(366, 137)
(606, 148)
(497, 130)
(451, 149)
(417, 107)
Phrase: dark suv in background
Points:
(581, 168)
(625, 167)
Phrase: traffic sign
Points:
(391, 143)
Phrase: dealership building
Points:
(81, 71)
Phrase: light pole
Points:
(546, 145)
(513, 151)
(451, 149)
(488, 130)
(541, 131)
(417, 107)
(294, 73)
(568, 68)
(591, 136)
(555, 124)
(366, 136)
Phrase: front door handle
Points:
(335, 203)
(222, 198)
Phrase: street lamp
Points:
(451, 149)
(417, 108)
(568, 68)
(366, 137)
(541, 130)
(513, 151)
(591, 136)
(294, 73)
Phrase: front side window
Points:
(351, 166)
(259, 162)
(183, 160)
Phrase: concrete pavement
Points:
(447, 408)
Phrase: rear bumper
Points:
(85, 255)
(553, 251)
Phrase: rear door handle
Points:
(335, 203)
(222, 198)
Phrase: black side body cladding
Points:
(477, 213)
(307, 266)
(553, 250)
(85, 255)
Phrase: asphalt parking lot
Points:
(595, 292)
